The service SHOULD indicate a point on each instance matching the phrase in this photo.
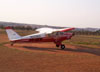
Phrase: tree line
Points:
(19, 27)
(81, 32)
(87, 32)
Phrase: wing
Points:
(65, 29)
(50, 30)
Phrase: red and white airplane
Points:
(56, 36)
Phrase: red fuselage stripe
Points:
(45, 39)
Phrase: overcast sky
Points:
(69, 13)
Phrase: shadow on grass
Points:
(95, 51)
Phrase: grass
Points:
(85, 40)
(14, 60)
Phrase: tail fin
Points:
(12, 35)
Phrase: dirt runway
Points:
(51, 48)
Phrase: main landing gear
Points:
(12, 44)
(62, 46)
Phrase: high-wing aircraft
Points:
(56, 36)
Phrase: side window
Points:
(60, 33)
(49, 35)
(57, 33)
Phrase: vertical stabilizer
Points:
(12, 35)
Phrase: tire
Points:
(62, 47)
(11, 44)
(57, 45)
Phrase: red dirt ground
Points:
(51, 48)
(45, 57)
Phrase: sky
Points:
(67, 13)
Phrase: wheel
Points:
(57, 45)
(12, 44)
(62, 47)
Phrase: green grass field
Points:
(85, 40)
(14, 60)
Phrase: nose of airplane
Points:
(70, 35)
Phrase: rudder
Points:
(12, 35)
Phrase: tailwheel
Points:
(62, 46)
(12, 44)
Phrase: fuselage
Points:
(54, 37)
(43, 35)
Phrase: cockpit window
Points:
(61, 33)
(56, 34)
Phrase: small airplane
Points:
(56, 36)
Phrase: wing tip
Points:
(68, 29)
